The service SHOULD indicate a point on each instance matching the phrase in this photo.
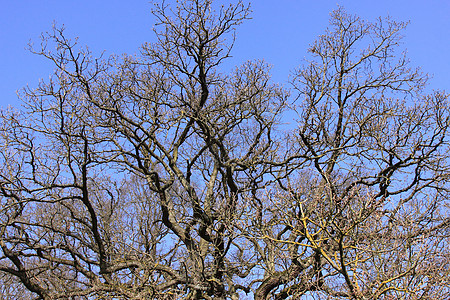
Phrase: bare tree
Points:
(361, 210)
(158, 176)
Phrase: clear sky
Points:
(279, 32)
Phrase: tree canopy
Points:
(161, 176)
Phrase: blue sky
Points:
(279, 32)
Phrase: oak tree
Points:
(161, 176)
